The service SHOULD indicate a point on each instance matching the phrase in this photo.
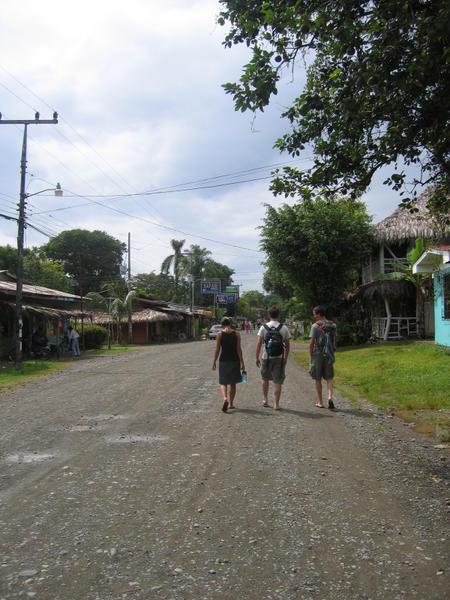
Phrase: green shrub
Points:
(94, 336)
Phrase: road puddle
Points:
(135, 438)
(29, 458)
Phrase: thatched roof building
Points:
(145, 315)
(404, 224)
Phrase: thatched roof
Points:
(403, 224)
(50, 312)
(146, 315)
(386, 288)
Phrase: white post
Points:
(388, 320)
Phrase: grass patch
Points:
(105, 351)
(401, 377)
(31, 369)
(34, 369)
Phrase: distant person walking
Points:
(231, 363)
(275, 338)
(321, 349)
(73, 337)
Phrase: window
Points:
(446, 295)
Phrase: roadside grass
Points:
(409, 378)
(35, 369)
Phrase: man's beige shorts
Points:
(272, 369)
(320, 368)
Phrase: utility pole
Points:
(129, 256)
(21, 224)
(129, 301)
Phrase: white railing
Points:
(392, 265)
(400, 327)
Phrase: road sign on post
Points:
(211, 286)
(227, 298)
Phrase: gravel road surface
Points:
(121, 478)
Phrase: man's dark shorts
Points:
(320, 368)
(273, 369)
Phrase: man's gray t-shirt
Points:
(262, 333)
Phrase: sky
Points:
(137, 86)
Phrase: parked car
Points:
(215, 329)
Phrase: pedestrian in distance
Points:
(74, 336)
(322, 348)
(231, 363)
(274, 337)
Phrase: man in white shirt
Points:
(275, 338)
(73, 341)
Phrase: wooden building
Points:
(44, 309)
(397, 309)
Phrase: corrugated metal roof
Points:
(9, 287)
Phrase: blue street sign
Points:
(211, 286)
(227, 298)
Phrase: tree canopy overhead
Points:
(377, 88)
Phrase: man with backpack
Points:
(275, 338)
(321, 349)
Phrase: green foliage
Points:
(47, 273)
(317, 247)
(174, 261)
(155, 286)
(8, 259)
(92, 258)
(94, 336)
(376, 91)
(216, 270)
(38, 270)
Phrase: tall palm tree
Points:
(193, 264)
(174, 260)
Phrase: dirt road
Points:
(121, 478)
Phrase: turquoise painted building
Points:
(436, 260)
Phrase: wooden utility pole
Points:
(21, 224)
(129, 301)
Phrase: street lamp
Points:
(21, 224)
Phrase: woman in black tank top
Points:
(231, 363)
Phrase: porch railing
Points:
(392, 265)
(400, 327)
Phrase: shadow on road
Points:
(271, 413)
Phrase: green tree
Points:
(91, 258)
(194, 263)
(38, 270)
(156, 286)
(377, 88)
(117, 302)
(317, 246)
(174, 261)
(8, 259)
(47, 273)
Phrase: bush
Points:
(94, 336)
